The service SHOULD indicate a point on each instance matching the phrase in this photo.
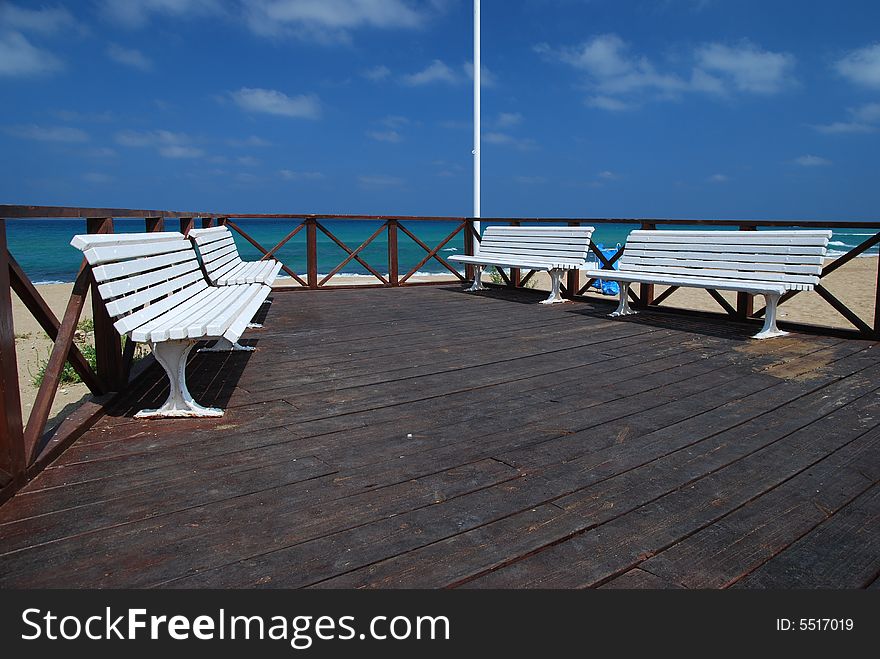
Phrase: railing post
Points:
(877, 303)
(186, 224)
(208, 222)
(515, 273)
(745, 302)
(469, 248)
(108, 344)
(646, 291)
(574, 276)
(12, 458)
(393, 266)
(221, 221)
(312, 253)
(154, 224)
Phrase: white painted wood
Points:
(222, 261)
(158, 293)
(140, 319)
(159, 327)
(88, 241)
(211, 247)
(754, 257)
(113, 253)
(758, 262)
(553, 249)
(110, 271)
(131, 302)
(119, 287)
(219, 254)
(743, 286)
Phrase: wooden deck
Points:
(425, 437)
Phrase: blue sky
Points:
(591, 108)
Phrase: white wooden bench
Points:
(223, 264)
(554, 249)
(154, 287)
(767, 263)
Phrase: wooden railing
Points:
(25, 445)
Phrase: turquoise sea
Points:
(42, 247)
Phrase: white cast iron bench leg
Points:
(623, 308)
(225, 345)
(770, 330)
(172, 356)
(478, 280)
(555, 295)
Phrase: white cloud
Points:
(377, 73)
(811, 161)
(504, 139)
(838, 127)
(248, 161)
(861, 66)
(487, 78)
(718, 178)
(608, 103)
(436, 71)
(18, 57)
(391, 136)
(863, 119)
(332, 21)
(620, 79)
(508, 119)
(271, 101)
(373, 181)
(747, 67)
(129, 57)
(247, 142)
(45, 20)
(608, 175)
(167, 144)
(48, 133)
(102, 152)
(289, 175)
(137, 13)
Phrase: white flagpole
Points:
(477, 70)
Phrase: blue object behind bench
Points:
(603, 286)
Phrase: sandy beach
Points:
(853, 284)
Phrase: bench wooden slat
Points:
(220, 322)
(121, 287)
(745, 286)
(87, 241)
(212, 247)
(110, 271)
(131, 302)
(210, 258)
(721, 264)
(755, 257)
(222, 260)
(142, 317)
(157, 329)
(239, 324)
(112, 253)
(729, 247)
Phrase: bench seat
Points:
(153, 285)
(767, 263)
(223, 264)
(551, 249)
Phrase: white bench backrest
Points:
(142, 275)
(217, 249)
(792, 258)
(562, 245)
